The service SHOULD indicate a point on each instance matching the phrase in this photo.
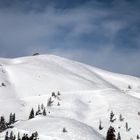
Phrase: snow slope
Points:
(88, 95)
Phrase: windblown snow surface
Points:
(88, 95)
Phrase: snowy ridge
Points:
(88, 95)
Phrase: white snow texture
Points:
(87, 96)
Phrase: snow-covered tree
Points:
(129, 87)
(64, 130)
(53, 94)
(42, 106)
(58, 104)
(44, 112)
(118, 136)
(6, 136)
(11, 136)
(39, 109)
(126, 126)
(138, 137)
(111, 134)
(58, 93)
(3, 124)
(121, 118)
(12, 118)
(31, 114)
(18, 136)
(49, 103)
(112, 119)
(100, 125)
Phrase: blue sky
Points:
(102, 33)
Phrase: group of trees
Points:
(54, 95)
(4, 124)
(12, 136)
(42, 109)
(12, 119)
(111, 135)
(8, 124)
(111, 131)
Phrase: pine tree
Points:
(118, 136)
(10, 118)
(14, 118)
(42, 106)
(6, 136)
(3, 84)
(58, 93)
(35, 135)
(14, 138)
(24, 137)
(138, 137)
(129, 87)
(100, 125)
(110, 134)
(32, 137)
(58, 104)
(53, 94)
(112, 119)
(64, 130)
(44, 112)
(31, 114)
(38, 111)
(11, 135)
(3, 124)
(121, 118)
(126, 126)
(49, 103)
(39, 108)
(18, 137)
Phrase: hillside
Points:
(87, 95)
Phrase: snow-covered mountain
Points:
(87, 96)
